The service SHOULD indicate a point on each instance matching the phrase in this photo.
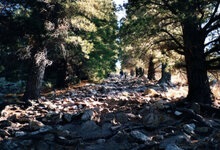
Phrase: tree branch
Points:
(212, 50)
(213, 67)
(213, 41)
(214, 27)
(212, 18)
(173, 38)
(213, 60)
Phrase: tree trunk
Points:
(61, 74)
(199, 89)
(165, 75)
(36, 74)
(151, 69)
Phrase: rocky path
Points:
(118, 114)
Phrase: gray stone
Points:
(173, 147)
(49, 137)
(106, 129)
(151, 120)
(123, 141)
(196, 108)
(26, 142)
(35, 125)
(101, 141)
(88, 115)
(42, 146)
(121, 118)
(178, 139)
(202, 130)
(177, 113)
(189, 128)
(42, 130)
(20, 133)
(140, 136)
(67, 117)
(90, 129)
(4, 133)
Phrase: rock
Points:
(42, 146)
(55, 118)
(108, 117)
(122, 141)
(4, 133)
(125, 93)
(140, 136)
(202, 130)
(154, 118)
(49, 137)
(67, 117)
(106, 129)
(26, 143)
(42, 130)
(103, 90)
(189, 128)
(63, 133)
(150, 92)
(178, 113)
(178, 139)
(101, 141)
(196, 108)
(88, 115)
(173, 147)
(160, 104)
(5, 123)
(35, 125)
(20, 133)
(121, 118)
(90, 129)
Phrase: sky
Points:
(120, 14)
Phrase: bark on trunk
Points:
(166, 75)
(151, 69)
(199, 89)
(36, 74)
(61, 74)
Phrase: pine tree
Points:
(182, 26)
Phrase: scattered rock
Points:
(42, 146)
(90, 129)
(4, 133)
(202, 130)
(5, 123)
(150, 92)
(178, 113)
(67, 117)
(196, 108)
(173, 147)
(20, 133)
(121, 118)
(113, 115)
(181, 139)
(35, 125)
(101, 141)
(88, 115)
(189, 128)
(140, 136)
(49, 137)
(26, 143)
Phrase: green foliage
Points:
(152, 26)
(79, 37)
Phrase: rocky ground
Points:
(119, 114)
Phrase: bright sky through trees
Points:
(120, 15)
